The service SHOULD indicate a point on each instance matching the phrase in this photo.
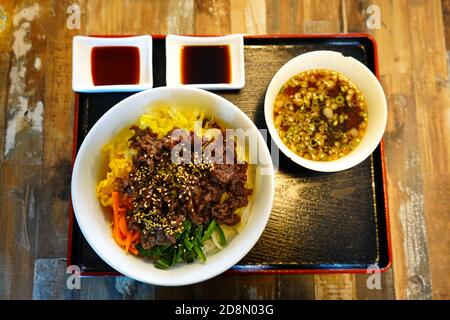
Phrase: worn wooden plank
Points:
(119, 17)
(225, 286)
(393, 37)
(58, 115)
(18, 239)
(355, 15)
(175, 293)
(371, 292)
(399, 45)
(22, 163)
(178, 17)
(50, 280)
(321, 19)
(248, 16)
(405, 182)
(212, 17)
(446, 14)
(6, 9)
(282, 16)
(5, 59)
(335, 287)
(296, 287)
(113, 288)
(253, 287)
(431, 89)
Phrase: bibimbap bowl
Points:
(89, 168)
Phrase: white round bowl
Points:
(361, 76)
(95, 224)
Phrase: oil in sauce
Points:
(205, 64)
(112, 65)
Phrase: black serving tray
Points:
(320, 222)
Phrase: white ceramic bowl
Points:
(95, 225)
(173, 60)
(361, 76)
(81, 63)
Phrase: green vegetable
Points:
(209, 230)
(188, 246)
(339, 99)
(187, 243)
(177, 256)
(201, 256)
(222, 239)
(198, 235)
(162, 264)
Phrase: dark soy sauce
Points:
(205, 64)
(115, 65)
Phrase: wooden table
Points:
(36, 117)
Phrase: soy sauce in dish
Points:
(112, 65)
(205, 64)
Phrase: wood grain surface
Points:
(36, 117)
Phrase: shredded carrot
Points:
(116, 205)
(123, 225)
(133, 250)
(118, 237)
(135, 237)
(128, 242)
(122, 235)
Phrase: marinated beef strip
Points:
(165, 194)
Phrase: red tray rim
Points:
(253, 271)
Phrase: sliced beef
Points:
(164, 194)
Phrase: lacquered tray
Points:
(320, 222)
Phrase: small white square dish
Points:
(212, 63)
(112, 64)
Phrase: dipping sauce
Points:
(115, 65)
(205, 64)
(320, 115)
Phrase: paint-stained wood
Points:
(21, 166)
(36, 116)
